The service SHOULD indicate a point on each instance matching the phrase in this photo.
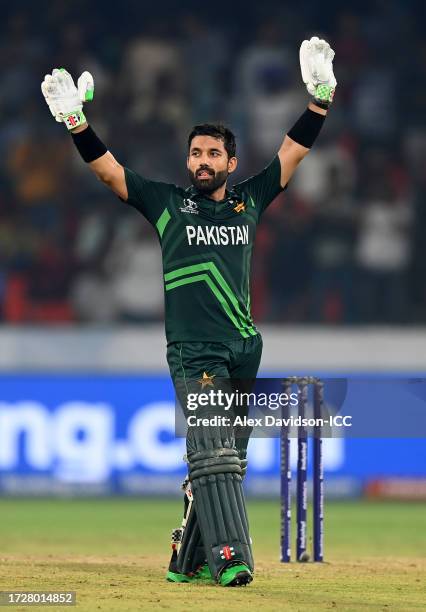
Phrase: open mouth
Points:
(204, 174)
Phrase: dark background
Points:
(344, 245)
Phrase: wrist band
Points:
(89, 145)
(307, 128)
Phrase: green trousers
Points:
(235, 359)
(233, 365)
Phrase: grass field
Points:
(114, 553)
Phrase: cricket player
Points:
(206, 232)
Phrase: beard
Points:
(210, 184)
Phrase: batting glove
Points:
(316, 64)
(64, 99)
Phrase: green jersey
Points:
(206, 248)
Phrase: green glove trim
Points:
(324, 94)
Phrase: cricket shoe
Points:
(202, 574)
(237, 574)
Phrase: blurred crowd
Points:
(342, 245)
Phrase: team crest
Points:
(240, 207)
(206, 381)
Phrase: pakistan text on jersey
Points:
(217, 234)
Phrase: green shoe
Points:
(201, 575)
(175, 577)
(236, 575)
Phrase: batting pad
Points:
(191, 553)
(216, 479)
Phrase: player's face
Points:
(208, 163)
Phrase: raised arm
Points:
(106, 168)
(65, 101)
(316, 63)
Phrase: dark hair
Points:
(217, 130)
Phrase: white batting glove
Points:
(64, 99)
(316, 64)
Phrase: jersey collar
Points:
(193, 193)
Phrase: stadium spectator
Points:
(383, 249)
